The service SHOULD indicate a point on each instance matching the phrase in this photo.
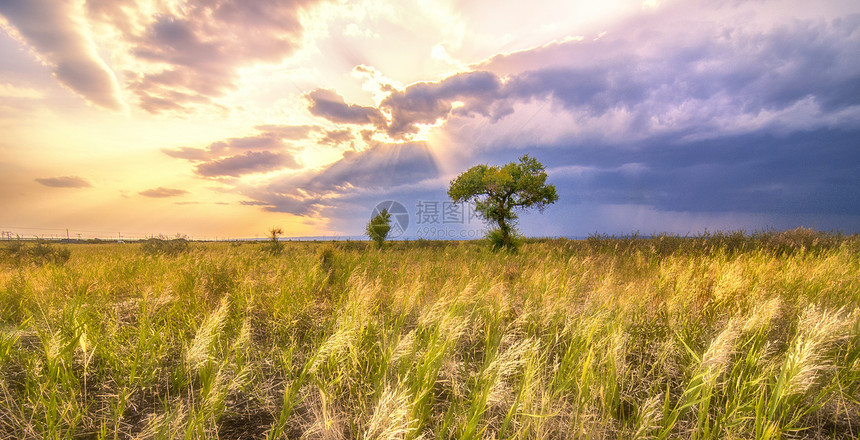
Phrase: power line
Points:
(63, 230)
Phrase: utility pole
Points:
(67, 233)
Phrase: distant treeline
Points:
(780, 242)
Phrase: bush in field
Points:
(498, 240)
(801, 239)
(498, 192)
(13, 251)
(162, 245)
(41, 252)
(274, 246)
(378, 227)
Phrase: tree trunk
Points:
(506, 238)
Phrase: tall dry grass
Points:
(724, 336)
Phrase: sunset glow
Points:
(225, 118)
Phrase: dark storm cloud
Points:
(814, 172)
(593, 90)
(734, 72)
(246, 163)
(330, 105)
(46, 26)
(815, 59)
(377, 169)
(161, 192)
(65, 182)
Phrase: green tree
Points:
(378, 227)
(499, 192)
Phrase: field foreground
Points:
(712, 337)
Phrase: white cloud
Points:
(59, 37)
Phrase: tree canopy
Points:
(500, 192)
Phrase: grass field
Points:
(725, 336)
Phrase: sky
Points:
(225, 118)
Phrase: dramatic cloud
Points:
(649, 79)
(201, 46)
(176, 56)
(805, 173)
(189, 153)
(426, 103)
(289, 132)
(684, 113)
(711, 79)
(52, 29)
(271, 138)
(65, 182)
(264, 141)
(247, 163)
(161, 192)
(379, 168)
(336, 137)
(620, 119)
(330, 105)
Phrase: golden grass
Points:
(708, 337)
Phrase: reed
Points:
(720, 336)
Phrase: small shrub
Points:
(162, 245)
(13, 251)
(218, 279)
(41, 252)
(326, 259)
(378, 227)
(497, 237)
(274, 246)
(801, 239)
